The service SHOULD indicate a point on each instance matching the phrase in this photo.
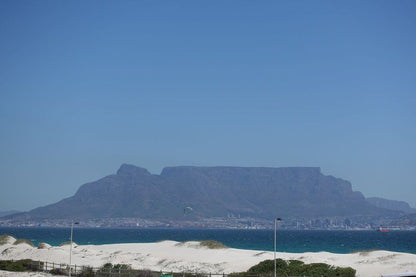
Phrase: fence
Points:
(122, 270)
(58, 268)
(125, 271)
(114, 271)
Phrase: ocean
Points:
(287, 241)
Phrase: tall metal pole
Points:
(70, 247)
(275, 226)
(70, 250)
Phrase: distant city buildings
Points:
(229, 222)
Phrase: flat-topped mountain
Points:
(211, 192)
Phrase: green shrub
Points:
(344, 271)
(122, 270)
(121, 267)
(58, 271)
(298, 268)
(295, 263)
(267, 266)
(107, 266)
(21, 265)
(110, 266)
(87, 272)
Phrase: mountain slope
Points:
(211, 192)
(393, 205)
(5, 213)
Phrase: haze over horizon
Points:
(86, 86)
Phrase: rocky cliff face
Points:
(211, 191)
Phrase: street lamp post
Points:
(275, 227)
(70, 248)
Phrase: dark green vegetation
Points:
(117, 270)
(116, 267)
(22, 265)
(212, 244)
(297, 268)
(106, 270)
(265, 268)
(211, 192)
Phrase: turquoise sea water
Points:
(287, 241)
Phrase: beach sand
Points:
(171, 256)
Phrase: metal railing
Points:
(125, 271)
(76, 270)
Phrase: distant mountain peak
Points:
(129, 169)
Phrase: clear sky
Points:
(88, 85)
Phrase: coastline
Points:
(172, 256)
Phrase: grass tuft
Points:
(212, 244)
(22, 241)
(43, 245)
(364, 252)
(5, 239)
(68, 243)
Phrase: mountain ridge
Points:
(394, 205)
(256, 192)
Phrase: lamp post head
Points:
(278, 219)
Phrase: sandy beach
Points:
(172, 256)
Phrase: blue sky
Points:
(88, 85)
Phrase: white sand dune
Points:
(171, 256)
